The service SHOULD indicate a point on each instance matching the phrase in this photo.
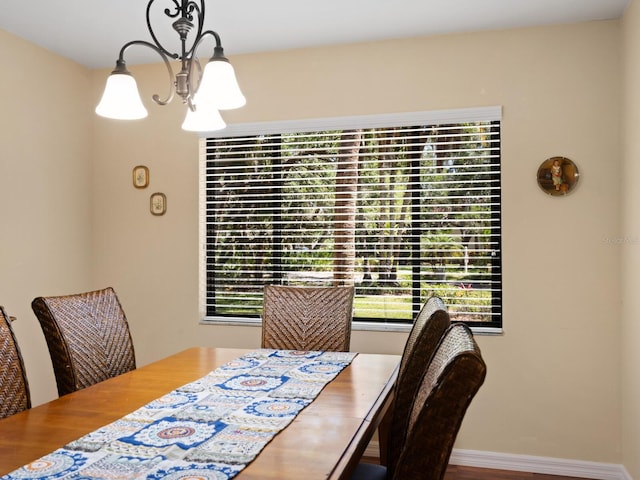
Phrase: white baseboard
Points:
(529, 463)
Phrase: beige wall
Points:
(45, 188)
(630, 332)
(553, 387)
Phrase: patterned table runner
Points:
(209, 429)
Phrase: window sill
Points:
(356, 326)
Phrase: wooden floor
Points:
(455, 472)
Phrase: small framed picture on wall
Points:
(140, 176)
(158, 203)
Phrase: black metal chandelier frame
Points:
(189, 14)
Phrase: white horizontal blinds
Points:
(460, 221)
(403, 213)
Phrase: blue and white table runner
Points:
(209, 429)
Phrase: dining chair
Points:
(88, 337)
(449, 384)
(14, 387)
(427, 331)
(307, 318)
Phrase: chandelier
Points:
(204, 92)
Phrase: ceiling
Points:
(91, 32)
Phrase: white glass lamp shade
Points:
(203, 119)
(121, 99)
(219, 86)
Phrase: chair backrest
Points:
(14, 388)
(427, 331)
(430, 324)
(452, 379)
(307, 318)
(88, 337)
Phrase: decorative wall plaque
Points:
(558, 176)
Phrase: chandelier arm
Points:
(158, 46)
(193, 60)
(159, 51)
(208, 32)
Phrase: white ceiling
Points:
(91, 32)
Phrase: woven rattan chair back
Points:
(454, 376)
(14, 388)
(307, 318)
(432, 321)
(427, 331)
(88, 337)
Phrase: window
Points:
(402, 206)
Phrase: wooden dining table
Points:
(325, 441)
